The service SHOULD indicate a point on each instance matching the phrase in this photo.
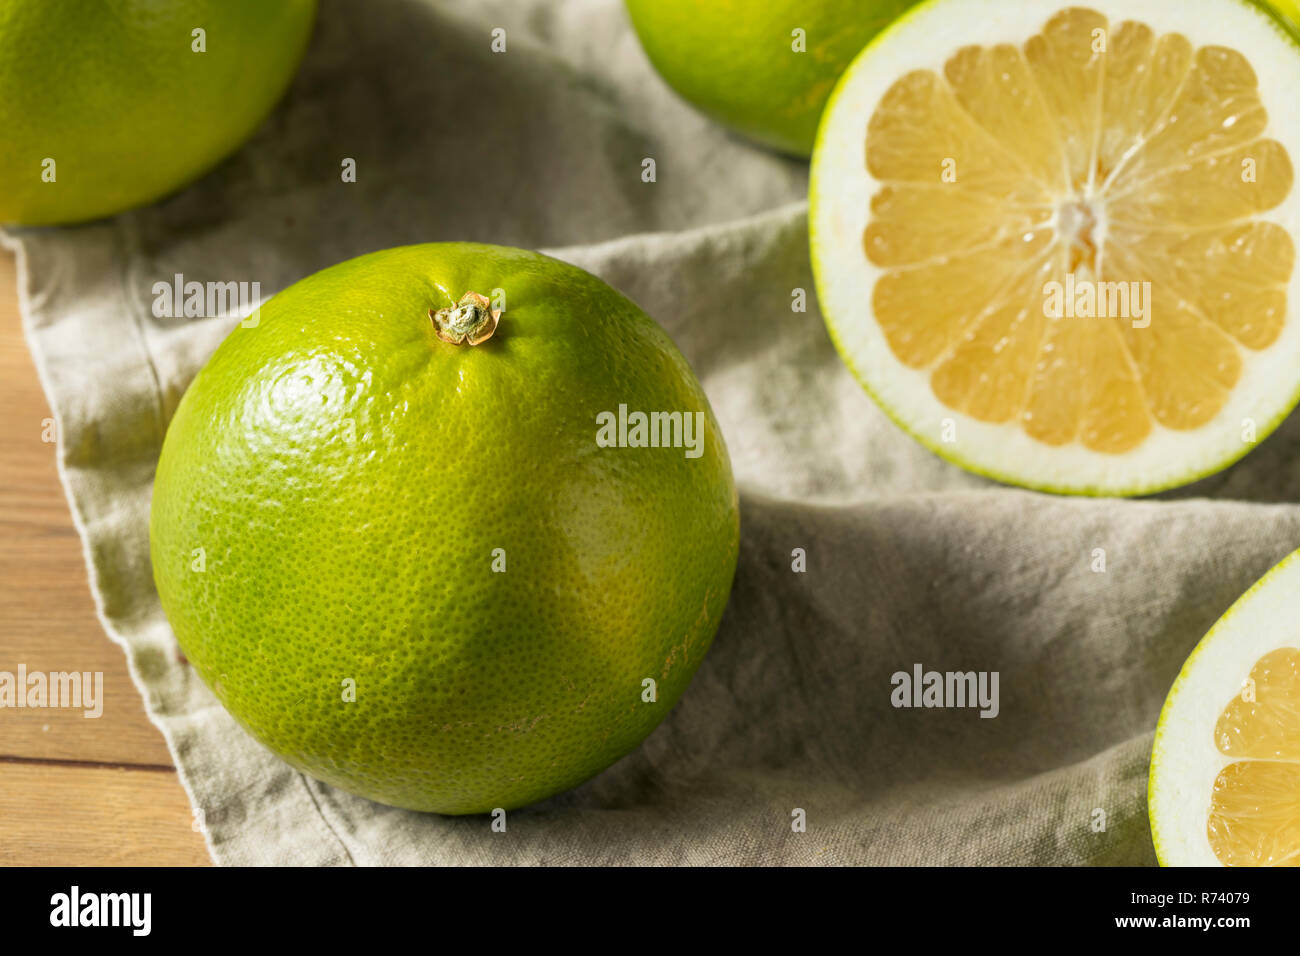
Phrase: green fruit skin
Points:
(734, 59)
(1287, 11)
(115, 95)
(349, 478)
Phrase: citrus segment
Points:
(1234, 275)
(1143, 75)
(921, 121)
(1255, 813)
(1067, 72)
(1267, 724)
(997, 90)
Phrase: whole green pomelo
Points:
(348, 505)
(110, 104)
(746, 64)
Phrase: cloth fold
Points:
(862, 555)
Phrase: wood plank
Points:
(47, 615)
(54, 814)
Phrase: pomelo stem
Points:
(471, 321)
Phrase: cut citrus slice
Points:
(1057, 244)
(1225, 768)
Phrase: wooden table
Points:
(73, 791)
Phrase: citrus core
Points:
(412, 530)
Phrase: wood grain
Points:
(60, 814)
(50, 774)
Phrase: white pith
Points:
(1184, 759)
(839, 210)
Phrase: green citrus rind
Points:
(439, 524)
(733, 60)
(113, 101)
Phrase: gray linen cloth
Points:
(909, 560)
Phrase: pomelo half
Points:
(1224, 788)
(105, 106)
(1057, 243)
(451, 527)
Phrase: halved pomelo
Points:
(1225, 767)
(1057, 244)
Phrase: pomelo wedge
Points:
(1225, 767)
(1057, 243)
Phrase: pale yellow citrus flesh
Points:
(1255, 809)
(1143, 162)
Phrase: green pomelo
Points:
(347, 500)
(764, 69)
(105, 106)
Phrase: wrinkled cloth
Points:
(1084, 608)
